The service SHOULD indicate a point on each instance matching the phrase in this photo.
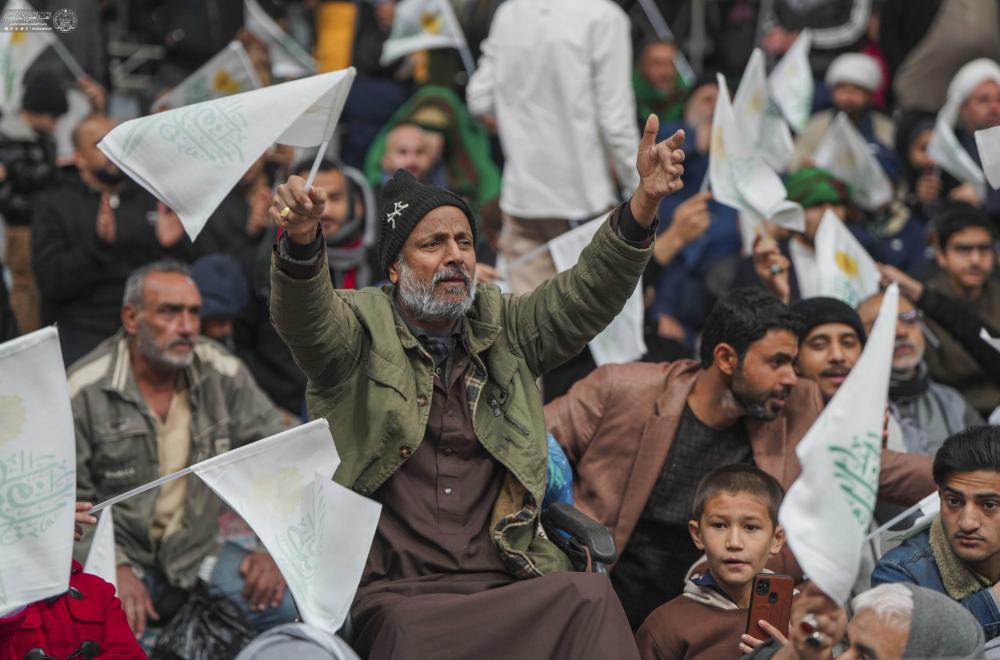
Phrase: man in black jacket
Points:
(89, 232)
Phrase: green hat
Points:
(812, 186)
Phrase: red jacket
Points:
(61, 624)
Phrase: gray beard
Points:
(158, 356)
(418, 298)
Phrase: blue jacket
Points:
(913, 562)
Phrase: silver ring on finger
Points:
(816, 639)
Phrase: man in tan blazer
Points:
(742, 403)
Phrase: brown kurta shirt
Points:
(436, 507)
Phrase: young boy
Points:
(735, 522)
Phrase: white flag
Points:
(846, 154)
(945, 149)
(37, 470)
(767, 131)
(422, 25)
(791, 82)
(622, 340)
(101, 558)
(846, 270)
(191, 157)
(740, 178)
(18, 51)
(288, 59)
(318, 532)
(827, 511)
(229, 72)
(988, 143)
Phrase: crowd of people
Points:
(408, 297)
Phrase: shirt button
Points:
(421, 400)
(447, 451)
(405, 452)
(447, 491)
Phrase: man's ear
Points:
(394, 272)
(725, 358)
(939, 258)
(778, 540)
(694, 528)
(130, 319)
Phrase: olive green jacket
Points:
(372, 379)
(116, 449)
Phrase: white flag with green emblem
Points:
(191, 157)
(318, 532)
(845, 269)
(229, 72)
(988, 143)
(422, 25)
(766, 130)
(37, 470)
(846, 154)
(18, 51)
(828, 510)
(792, 84)
(288, 59)
(102, 560)
(738, 175)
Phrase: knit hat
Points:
(855, 68)
(44, 94)
(223, 287)
(941, 628)
(820, 310)
(812, 186)
(405, 201)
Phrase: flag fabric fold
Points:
(947, 152)
(622, 340)
(37, 470)
(740, 178)
(228, 72)
(988, 144)
(18, 51)
(845, 269)
(318, 532)
(422, 25)
(191, 157)
(101, 558)
(766, 130)
(288, 59)
(828, 509)
(791, 82)
(844, 152)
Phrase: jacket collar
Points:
(479, 329)
(959, 580)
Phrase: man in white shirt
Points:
(556, 77)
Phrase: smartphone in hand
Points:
(770, 600)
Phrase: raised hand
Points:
(296, 211)
(660, 169)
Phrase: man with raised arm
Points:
(429, 387)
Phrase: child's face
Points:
(737, 535)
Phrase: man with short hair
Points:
(966, 255)
(959, 554)
(659, 89)
(852, 80)
(429, 383)
(831, 342)
(94, 228)
(927, 411)
(151, 400)
(407, 147)
(640, 436)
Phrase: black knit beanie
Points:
(44, 94)
(820, 310)
(404, 203)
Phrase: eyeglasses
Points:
(911, 317)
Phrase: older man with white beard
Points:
(429, 387)
(152, 399)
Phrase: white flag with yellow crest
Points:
(229, 72)
(846, 270)
(844, 153)
(422, 25)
